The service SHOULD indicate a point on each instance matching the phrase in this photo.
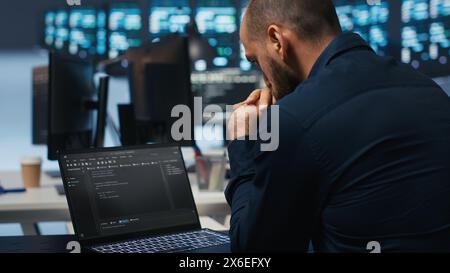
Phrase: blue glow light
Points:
(125, 25)
(216, 19)
(369, 21)
(165, 20)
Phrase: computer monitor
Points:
(160, 79)
(61, 36)
(87, 32)
(415, 32)
(102, 111)
(49, 29)
(124, 28)
(72, 102)
(39, 105)
(244, 64)
(217, 22)
(425, 35)
(371, 21)
(167, 17)
(71, 86)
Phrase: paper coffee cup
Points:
(31, 171)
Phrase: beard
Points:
(284, 81)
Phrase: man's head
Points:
(285, 37)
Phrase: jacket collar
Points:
(341, 44)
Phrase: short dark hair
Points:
(311, 19)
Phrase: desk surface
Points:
(58, 243)
(47, 198)
(36, 244)
(54, 244)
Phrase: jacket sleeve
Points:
(273, 195)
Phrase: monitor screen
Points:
(218, 24)
(168, 17)
(125, 191)
(425, 35)
(71, 86)
(154, 93)
(244, 64)
(87, 32)
(369, 21)
(61, 24)
(49, 28)
(415, 32)
(125, 26)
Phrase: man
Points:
(364, 150)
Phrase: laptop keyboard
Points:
(168, 243)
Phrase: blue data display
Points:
(416, 32)
(61, 18)
(83, 18)
(87, 32)
(368, 20)
(79, 31)
(425, 34)
(415, 10)
(61, 29)
(244, 64)
(439, 8)
(217, 21)
(166, 20)
(123, 18)
(61, 38)
(49, 29)
(125, 25)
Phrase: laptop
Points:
(135, 200)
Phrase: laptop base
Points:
(196, 241)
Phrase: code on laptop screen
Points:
(127, 191)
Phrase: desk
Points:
(45, 204)
(55, 244)
(35, 244)
(47, 198)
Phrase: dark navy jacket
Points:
(364, 156)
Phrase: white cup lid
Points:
(31, 160)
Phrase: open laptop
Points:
(135, 200)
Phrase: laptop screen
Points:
(118, 192)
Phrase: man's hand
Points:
(261, 98)
(243, 121)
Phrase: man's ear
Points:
(277, 41)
